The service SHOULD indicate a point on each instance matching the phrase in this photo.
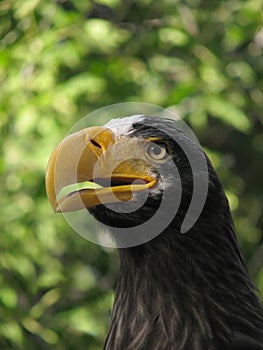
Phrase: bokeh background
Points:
(59, 61)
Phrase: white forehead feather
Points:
(122, 126)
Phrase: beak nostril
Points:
(96, 144)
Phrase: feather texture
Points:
(183, 291)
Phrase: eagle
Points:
(176, 289)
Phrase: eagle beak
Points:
(94, 155)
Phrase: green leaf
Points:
(8, 297)
(228, 113)
(11, 331)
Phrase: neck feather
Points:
(184, 291)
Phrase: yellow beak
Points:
(93, 154)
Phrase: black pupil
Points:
(156, 150)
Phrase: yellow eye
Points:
(157, 152)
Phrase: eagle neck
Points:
(183, 292)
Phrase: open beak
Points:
(94, 155)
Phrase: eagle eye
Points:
(157, 151)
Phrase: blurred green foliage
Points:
(60, 60)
